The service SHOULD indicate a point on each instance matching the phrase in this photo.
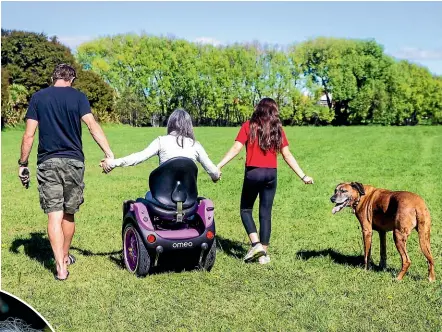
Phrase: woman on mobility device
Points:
(264, 138)
(171, 218)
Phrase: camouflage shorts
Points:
(60, 184)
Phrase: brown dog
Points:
(383, 211)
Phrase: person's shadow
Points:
(181, 263)
(231, 248)
(38, 247)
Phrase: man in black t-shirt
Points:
(57, 111)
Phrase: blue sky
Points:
(407, 30)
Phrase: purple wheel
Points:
(136, 257)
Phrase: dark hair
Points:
(266, 126)
(180, 125)
(63, 72)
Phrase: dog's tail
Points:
(424, 228)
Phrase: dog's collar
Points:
(356, 202)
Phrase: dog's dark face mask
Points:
(346, 194)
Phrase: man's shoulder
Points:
(77, 93)
(81, 94)
(41, 92)
(65, 90)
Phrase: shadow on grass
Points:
(338, 258)
(235, 249)
(167, 263)
(114, 256)
(173, 262)
(37, 247)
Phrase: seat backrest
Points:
(175, 180)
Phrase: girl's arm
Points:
(233, 152)
(133, 159)
(291, 161)
(208, 165)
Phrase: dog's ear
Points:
(359, 187)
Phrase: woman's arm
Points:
(208, 165)
(291, 161)
(133, 159)
(233, 152)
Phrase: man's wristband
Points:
(303, 177)
(22, 163)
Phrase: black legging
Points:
(260, 181)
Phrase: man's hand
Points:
(24, 176)
(106, 165)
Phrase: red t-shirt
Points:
(254, 155)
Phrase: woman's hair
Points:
(266, 126)
(180, 125)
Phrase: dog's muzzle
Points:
(339, 206)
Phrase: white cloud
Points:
(73, 41)
(410, 53)
(207, 40)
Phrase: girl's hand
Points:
(307, 179)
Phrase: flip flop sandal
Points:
(71, 259)
(58, 279)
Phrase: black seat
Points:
(172, 182)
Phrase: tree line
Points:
(141, 79)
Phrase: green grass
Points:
(313, 283)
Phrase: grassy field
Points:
(314, 282)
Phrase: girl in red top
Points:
(264, 138)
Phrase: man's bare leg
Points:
(68, 226)
(56, 238)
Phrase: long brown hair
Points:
(266, 126)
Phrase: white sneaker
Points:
(264, 259)
(254, 253)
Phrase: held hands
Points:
(24, 176)
(106, 165)
(219, 177)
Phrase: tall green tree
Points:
(30, 59)
(349, 72)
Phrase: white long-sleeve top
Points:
(166, 147)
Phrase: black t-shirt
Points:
(58, 111)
